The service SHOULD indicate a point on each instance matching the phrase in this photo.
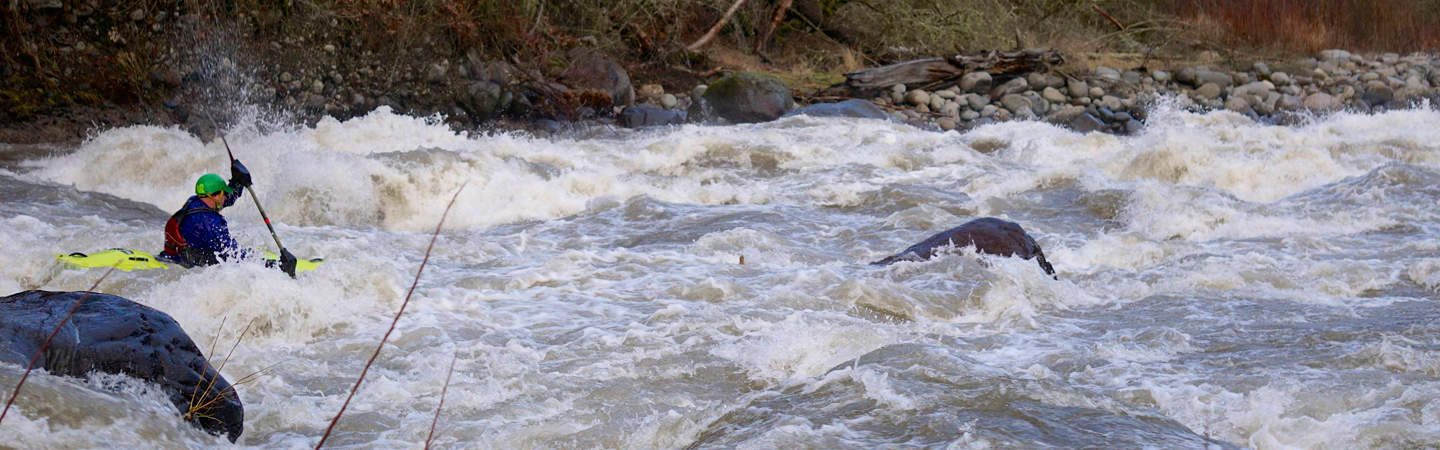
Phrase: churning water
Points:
(1221, 283)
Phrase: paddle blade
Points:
(301, 265)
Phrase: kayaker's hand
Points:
(239, 175)
(287, 262)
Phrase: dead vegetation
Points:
(46, 51)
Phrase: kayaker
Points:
(197, 235)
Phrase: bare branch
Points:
(774, 23)
(436, 420)
(715, 29)
(392, 323)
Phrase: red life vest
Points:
(176, 249)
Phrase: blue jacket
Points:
(205, 233)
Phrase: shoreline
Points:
(73, 68)
(1103, 99)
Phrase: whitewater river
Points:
(1221, 283)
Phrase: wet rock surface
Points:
(111, 334)
(987, 234)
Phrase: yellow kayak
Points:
(128, 259)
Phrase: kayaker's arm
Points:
(239, 180)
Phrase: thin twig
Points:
(715, 29)
(252, 377)
(539, 14)
(41, 350)
(774, 23)
(203, 394)
(213, 341)
(436, 420)
(392, 322)
(1108, 16)
(700, 73)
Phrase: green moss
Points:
(730, 85)
(811, 81)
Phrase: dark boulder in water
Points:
(988, 235)
(112, 334)
(854, 107)
(646, 115)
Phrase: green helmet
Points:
(209, 184)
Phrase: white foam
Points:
(799, 347)
(1426, 272)
(551, 317)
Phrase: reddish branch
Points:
(392, 322)
(774, 23)
(436, 420)
(1108, 16)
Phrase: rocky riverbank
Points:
(1114, 100)
(596, 90)
(170, 66)
(1104, 98)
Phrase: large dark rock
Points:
(855, 107)
(646, 115)
(1085, 123)
(481, 100)
(112, 334)
(1378, 95)
(590, 70)
(749, 97)
(987, 235)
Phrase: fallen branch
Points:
(700, 73)
(392, 322)
(938, 73)
(715, 29)
(41, 350)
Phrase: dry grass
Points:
(648, 36)
(1311, 25)
(203, 400)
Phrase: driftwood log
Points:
(940, 73)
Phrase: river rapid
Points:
(1221, 283)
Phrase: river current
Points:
(1221, 283)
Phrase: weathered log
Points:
(941, 73)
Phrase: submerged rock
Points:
(647, 115)
(112, 334)
(858, 108)
(987, 234)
